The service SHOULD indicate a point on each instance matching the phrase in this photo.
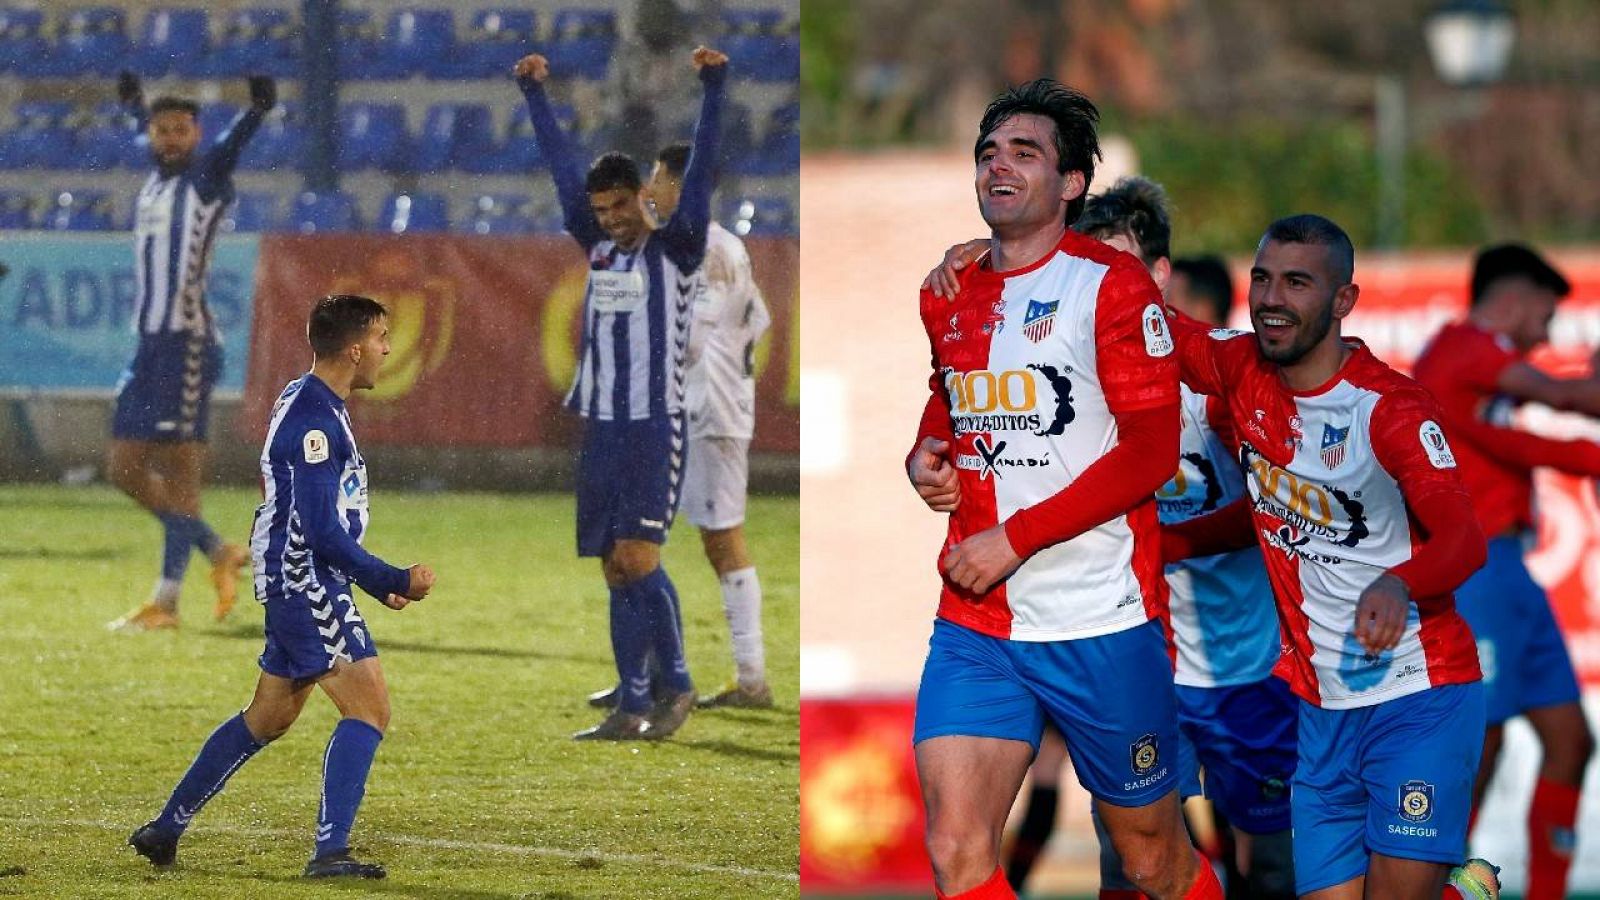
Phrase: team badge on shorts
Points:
(1416, 801)
(1144, 756)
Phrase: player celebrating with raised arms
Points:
(306, 544)
(158, 430)
(1356, 502)
(630, 388)
(1052, 420)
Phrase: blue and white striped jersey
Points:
(175, 222)
(306, 538)
(639, 304)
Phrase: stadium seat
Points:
(762, 216)
(764, 44)
(519, 152)
(547, 218)
(280, 143)
(777, 154)
(41, 138)
(251, 212)
(419, 42)
(360, 44)
(101, 138)
(404, 213)
(453, 135)
(581, 42)
(499, 37)
(23, 48)
(373, 135)
(16, 210)
(256, 41)
(78, 211)
(175, 40)
(501, 214)
(316, 213)
(93, 40)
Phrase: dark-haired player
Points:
(307, 553)
(1478, 369)
(158, 430)
(630, 389)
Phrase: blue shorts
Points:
(1110, 696)
(1524, 658)
(628, 478)
(1244, 736)
(1394, 778)
(165, 393)
(305, 638)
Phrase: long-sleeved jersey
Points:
(729, 317)
(306, 539)
(638, 306)
(175, 222)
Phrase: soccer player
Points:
(1237, 719)
(729, 317)
(306, 548)
(1479, 371)
(1366, 528)
(630, 388)
(1052, 420)
(158, 429)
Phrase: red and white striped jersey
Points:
(1029, 367)
(1332, 473)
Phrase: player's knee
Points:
(268, 726)
(961, 849)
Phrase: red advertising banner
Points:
(484, 334)
(861, 818)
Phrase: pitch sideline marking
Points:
(446, 844)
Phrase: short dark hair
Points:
(174, 104)
(1136, 207)
(613, 170)
(339, 320)
(1208, 278)
(1310, 228)
(1503, 261)
(674, 158)
(1077, 145)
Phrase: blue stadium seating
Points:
(419, 42)
(257, 41)
(360, 44)
(777, 154)
(760, 216)
(78, 211)
(16, 210)
(315, 213)
(93, 40)
(373, 135)
(22, 45)
(101, 139)
(41, 137)
(252, 212)
(175, 41)
(763, 44)
(404, 213)
(501, 214)
(581, 42)
(279, 144)
(499, 37)
(453, 135)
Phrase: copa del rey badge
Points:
(1434, 444)
(1157, 340)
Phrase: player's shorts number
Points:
(984, 391)
(1304, 499)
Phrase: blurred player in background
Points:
(729, 317)
(1478, 369)
(306, 544)
(158, 429)
(1366, 529)
(630, 389)
(1052, 420)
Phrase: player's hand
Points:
(532, 68)
(706, 57)
(421, 582)
(1381, 613)
(981, 561)
(263, 92)
(942, 280)
(129, 92)
(395, 601)
(933, 476)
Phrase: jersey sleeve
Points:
(1410, 443)
(684, 235)
(1201, 350)
(577, 216)
(214, 177)
(1481, 362)
(314, 462)
(1133, 342)
(935, 421)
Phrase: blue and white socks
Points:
(345, 765)
(228, 748)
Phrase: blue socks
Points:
(182, 534)
(344, 782)
(223, 753)
(630, 645)
(658, 599)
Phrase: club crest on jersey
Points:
(1434, 444)
(1416, 801)
(1144, 755)
(1334, 441)
(1040, 320)
(1157, 340)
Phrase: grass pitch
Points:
(477, 790)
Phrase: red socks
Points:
(996, 888)
(1205, 885)
(1550, 839)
